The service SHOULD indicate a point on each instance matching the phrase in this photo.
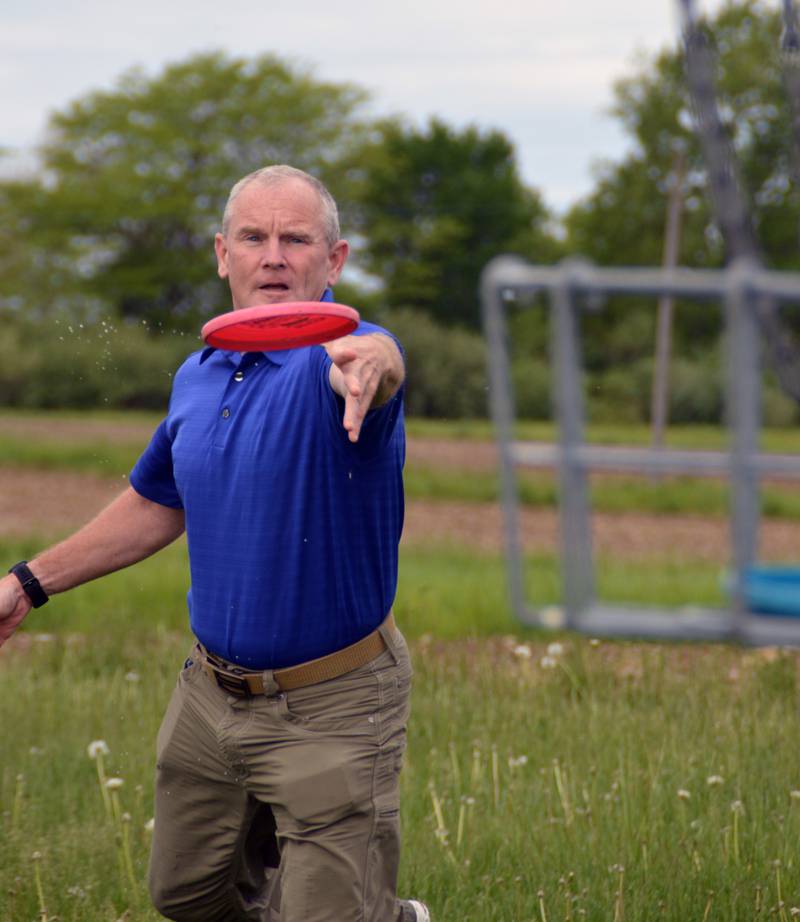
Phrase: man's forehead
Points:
(290, 198)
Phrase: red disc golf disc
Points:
(280, 326)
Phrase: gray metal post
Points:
(744, 416)
(576, 534)
(502, 409)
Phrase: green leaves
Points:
(434, 206)
(137, 177)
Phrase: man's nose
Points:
(272, 253)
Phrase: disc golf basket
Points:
(764, 603)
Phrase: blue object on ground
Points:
(772, 590)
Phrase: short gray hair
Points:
(278, 173)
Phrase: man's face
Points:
(275, 248)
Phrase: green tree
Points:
(622, 221)
(434, 206)
(135, 179)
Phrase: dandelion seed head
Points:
(714, 780)
(555, 649)
(149, 826)
(126, 817)
(98, 748)
(523, 651)
(36, 856)
(548, 662)
(737, 807)
(594, 642)
(114, 784)
(683, 794)
(132, 676)
(795, 794)
(517, 761)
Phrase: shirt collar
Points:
(277, 357)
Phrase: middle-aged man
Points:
(279, 754)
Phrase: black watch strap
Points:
(30, 585)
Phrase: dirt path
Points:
(51, 502)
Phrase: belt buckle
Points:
(234, 685)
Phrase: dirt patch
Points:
(51, 503)
(54, 428)
(633, 536)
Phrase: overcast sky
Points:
(539, 70)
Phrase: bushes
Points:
(80, 366)
(445, 367)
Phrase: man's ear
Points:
(337, 257)
(221, 249)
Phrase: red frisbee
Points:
(280, 326)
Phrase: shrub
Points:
(80, 365)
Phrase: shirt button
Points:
(226, 413)
(239, 376)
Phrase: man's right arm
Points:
(126, 531)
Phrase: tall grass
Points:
(603, 782)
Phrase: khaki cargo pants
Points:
(282, 807)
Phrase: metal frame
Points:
(740, 287)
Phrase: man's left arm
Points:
(367, 371)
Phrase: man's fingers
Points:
(353, 385)
(353, 417)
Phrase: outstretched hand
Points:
(14, 605)
(366, 372)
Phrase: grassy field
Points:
(548, 777)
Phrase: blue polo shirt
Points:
(292, 530)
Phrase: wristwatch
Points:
(30, 585)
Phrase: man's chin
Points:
(266, 297)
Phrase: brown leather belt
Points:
(246, 684)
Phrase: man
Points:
(279, 754)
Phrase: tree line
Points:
(115, 229)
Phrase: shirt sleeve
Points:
(152, 476)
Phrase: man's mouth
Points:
(274, 287)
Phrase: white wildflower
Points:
(548, 662)
(98, 748)
(132, 676)
(714, 780)
(517, 761)
(523, 651)
(795, 794)
(114, 784)
(683, 794)
(149, 826)
(555, 649)
(737, 807)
